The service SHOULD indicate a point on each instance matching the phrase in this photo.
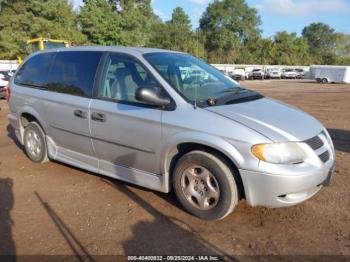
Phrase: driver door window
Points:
(123, 76)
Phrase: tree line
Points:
(228, 31)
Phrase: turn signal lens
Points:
(258, 151)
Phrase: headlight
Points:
(280, 153)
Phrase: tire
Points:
(35, 143)
(324, 81)
(219, 192)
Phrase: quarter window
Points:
(74, 73)
(34, 71)
(123, 76)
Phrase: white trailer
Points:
(330, 74)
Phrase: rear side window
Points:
(74, 73)
(34, 71)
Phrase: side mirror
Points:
(148, 95)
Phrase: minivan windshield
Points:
(193, 78)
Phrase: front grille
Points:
(324, 156)
(315, 142)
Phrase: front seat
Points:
(124, 87)
(174, 76)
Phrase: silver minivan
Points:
(168, 121)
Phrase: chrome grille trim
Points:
(324, 156)
(320, 145)
(314, 142)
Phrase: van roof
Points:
(122, 49)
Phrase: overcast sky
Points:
(276, 15)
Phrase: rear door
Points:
(70, 82)
(125, 132)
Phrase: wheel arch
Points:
(207, 143)
(27, 115)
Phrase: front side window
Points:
(74, 72)
(122, 77)
(34, 71)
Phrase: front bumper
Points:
(238, 77)
(270, 190)
(258, 76)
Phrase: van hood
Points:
(273, 119)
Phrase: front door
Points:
(126, 133)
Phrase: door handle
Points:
(98, 117)
(80, 113)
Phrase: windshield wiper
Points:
(237, 96)
(252, 95)
(231, 91)
(234, 90)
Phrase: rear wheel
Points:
(35, 143)
(205, 185)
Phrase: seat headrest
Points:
(123, 72)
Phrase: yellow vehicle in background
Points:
(39, 44)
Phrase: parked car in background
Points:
(248, 74)
(300, 73)
(223, 71)
(239, 74)
(257, 73)
(5, 77)
(289, 74)
(128, 114)
(273, 73)
(11, 72)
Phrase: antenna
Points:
(195, 97)
(195, 88)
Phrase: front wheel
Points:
(205, 185)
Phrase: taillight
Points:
(7, 93)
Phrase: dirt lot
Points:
(52, 208)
